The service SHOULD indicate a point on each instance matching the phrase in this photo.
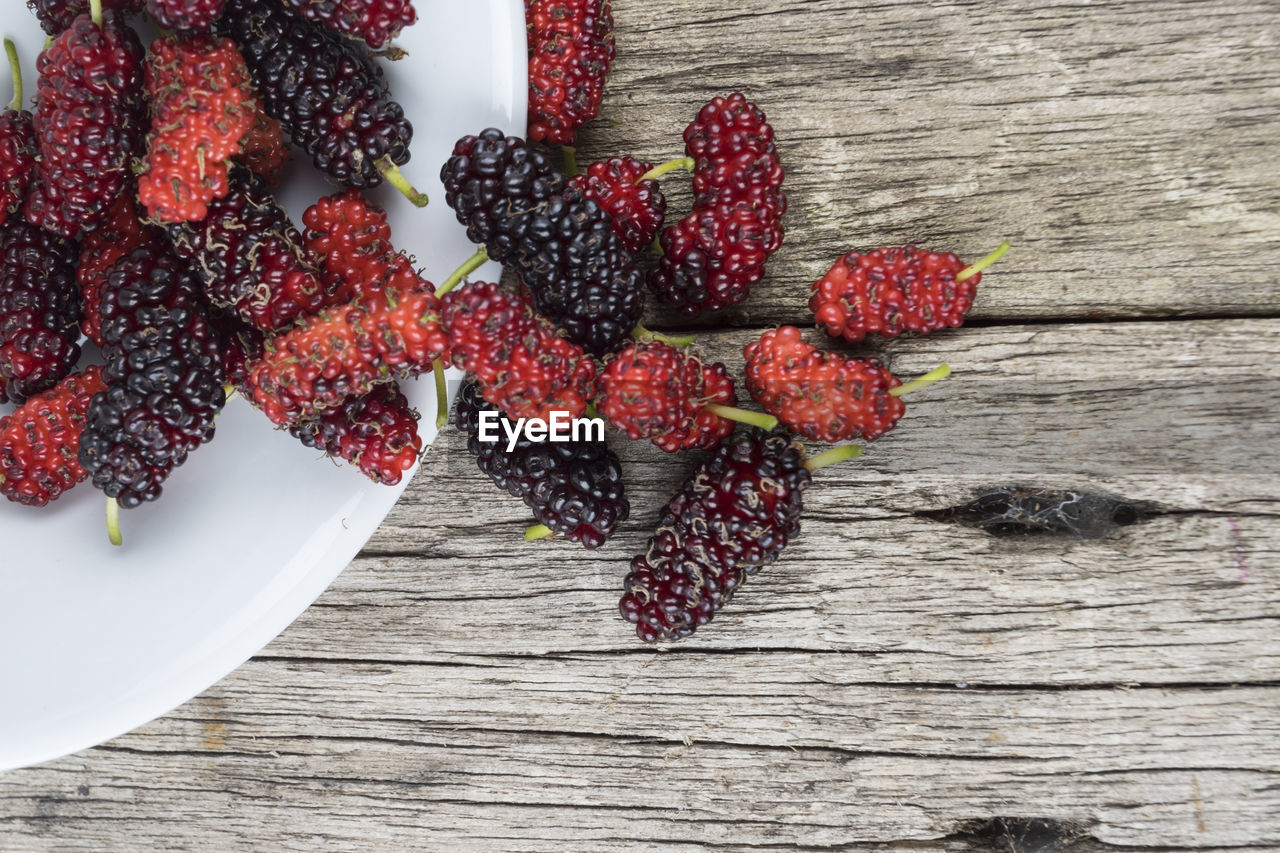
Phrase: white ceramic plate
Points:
(96, 640)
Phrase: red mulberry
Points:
(893, 290)
(636, 206)
(653, 390)
(571, 47)
(202, 106)
(39, 442)
(378, 433)
(18, 146)
(56, 15)
(263, 149)
(89, 121)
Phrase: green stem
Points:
(538, 531)
(469, 266)
(442, 394)
(113, 522)
(95, 11)
(832, 456)
(939, 373)
(686, 163)
(981, 265)
(592, 412)
(640, 333)
(570, 160)
(392, 173)
(742, 416)
(15, 68)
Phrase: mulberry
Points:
(56, 15)
(375, 22)
(327, 93)
(185, 15)
(571, 47)
(263, 149)
(121, 233)
(18, 144)
(573, 487)
(89, 123)
(655, 391)
(893, 290)
(39, 441)
(378, 433)
(39, 310)
(635, 203)
(202, 106)
(164, 377)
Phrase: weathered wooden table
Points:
(902, 678)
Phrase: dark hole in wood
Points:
(1016, 511)
(1022, 835)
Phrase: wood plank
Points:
(1127, 149)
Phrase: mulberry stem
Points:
(442, 394)
(939, 373)
(15, 68)
(468, 266)
(570, 160)
(640, 333)
(742, 416)
(392, 173)
(974, 269)
(113, 522)
(832, 456)
(538, 531)
(686, 163)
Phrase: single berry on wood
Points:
(18, 145)
(655, 391)
(327, 93)
(896, 289)
(202, 105)
(374, 22)
(571, 47)
(733, 516)
(89, 121)
(39, 309)
(574, 488)
(376, 432)
(39, 441)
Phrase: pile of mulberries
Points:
(571, 47)
(202, 105)
(711, 258)
(39, 310)
(326, 91)
(164, 377)
(40, 441)
(251, 258)
(562, 244)
(734, 515)
(573, 487)
(89, 122)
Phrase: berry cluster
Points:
(573, 487)
(562, 244)
(202, 106)
(570, 50)
(711, 258)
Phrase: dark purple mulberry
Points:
(56, 15)
(574, 487)
(734, 515)
(328, 94)
(562, 244)
(39, 310)
(375, 22)
(164, 377)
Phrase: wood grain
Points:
(900, 680)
